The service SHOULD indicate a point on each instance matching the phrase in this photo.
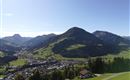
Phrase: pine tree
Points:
(35, 76)
(19, 77)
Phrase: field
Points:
(1, 76)
(124, 54)
(2, 69)
(1, 54)
(113, 76)
(76, 46)
(110, 76)
(18, 62)
(124, 76)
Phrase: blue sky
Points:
(37, 17)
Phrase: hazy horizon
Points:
(38, 17)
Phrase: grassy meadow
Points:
(18, 62)
(110, 76)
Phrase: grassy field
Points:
(124, 54)
(110, 76)
(18, 62)
(113, 76)
(2, 69)
(124, 76)
(1, 54)
(2, 76)
(96, 78)
(76, 46)
(46, 52)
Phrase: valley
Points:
(73, 55)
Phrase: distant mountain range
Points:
(8, 47)
(75, 42)
(15, 43)
(17, 39)
(110, 38)
(126, 37)
(37, 42)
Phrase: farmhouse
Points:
(86, 74)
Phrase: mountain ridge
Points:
(75, 42)
(17, 39)
(111, 38)
(87, 44)
(37, 41)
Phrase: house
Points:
(86, 74)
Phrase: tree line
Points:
(57, 74)
(118, 64)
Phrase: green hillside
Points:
(124, 54)
(76, 46)
(110, 76)
(18, 62)
(78, 43)
(46, 52)
(1, 54)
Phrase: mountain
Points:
(126, 37)
(79, 35)
(8, 47)
(17, 39)
(111, 39)
(37, 42)
(76, 42)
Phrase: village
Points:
(43, 66)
